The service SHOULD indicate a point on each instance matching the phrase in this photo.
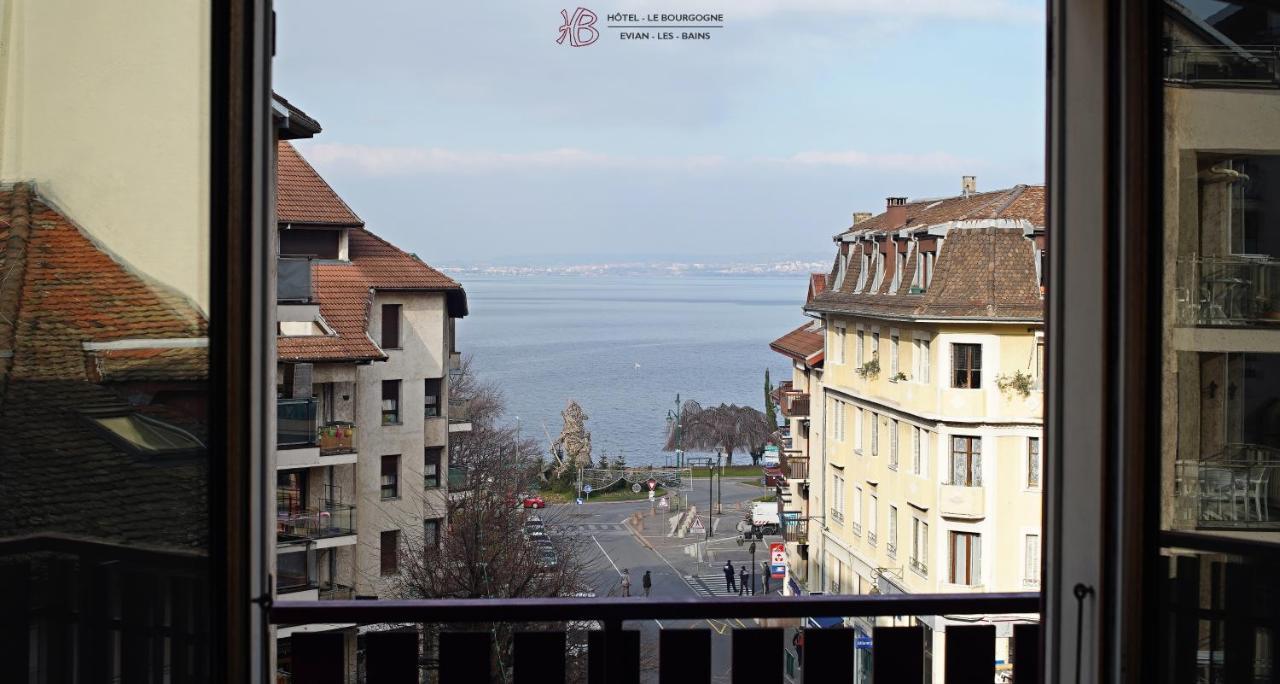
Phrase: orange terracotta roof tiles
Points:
(302, 196)
(72, 292)
(803, 344)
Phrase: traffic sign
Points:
(697, 525)
(636, 488)
(778, 554)
(862, 642)
(664, 503)
(651, 493)
(579, 501)
(653, 484)
(777, 570)
(586, 488)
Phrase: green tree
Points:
(770, 413)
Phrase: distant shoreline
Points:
(781, 269)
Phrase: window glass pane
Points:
(106, 446)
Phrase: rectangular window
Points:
(839, 421)
(875, 435)
(966, 461)
(1039, 362)
(966, 366)
(915, 450)
(837, 499)
(873, 513)
(431, 400)
(390, 402)
(926, 438)
(1031, 560)
(431, 467)
(390, 476)
(860, 352)
(857, 509)
(1033, 462)
(875, 345)
(857, 429)
(389, 552)
(920, 546)
(431, 533)
(893, 355)
(390, 326)
(893, 443)
(966, 558)
(891, 544)
(839, 355)
(922, 361)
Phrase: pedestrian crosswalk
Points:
(714, 585)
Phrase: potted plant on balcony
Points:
(870, 369)
(1017, 381)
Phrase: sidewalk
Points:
(705, 574)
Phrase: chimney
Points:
(860, 216)
(968, 185)
(895, 212)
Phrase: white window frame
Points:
(973, 547)
(920, 351)
(1031, 572)
(920, 543)
(875, 434)
(915, 449)
(837, 490)
(857, 429)
(1039, 442)
(894, 339)
(873, 507)
(891, 544)
(861, 341)
(839, 355)
(857, 509)
(893, 443)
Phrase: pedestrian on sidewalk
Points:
(742, 581)
(728, 577)
(764, 572)
(647, 583)
(626, 582)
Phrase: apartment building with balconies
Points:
(803, 346)
(365, 347)
(931, 398)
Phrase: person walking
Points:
(647, 583)
(798, 642)
(742, 581)
(728, 577)
(626, 582)
(764, 572)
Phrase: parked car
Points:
(534, 501)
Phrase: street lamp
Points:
(720, 484)
(673, 419)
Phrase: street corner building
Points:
(915, 410)
(365, 348)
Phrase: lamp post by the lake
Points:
(720, 484)
(673, 419)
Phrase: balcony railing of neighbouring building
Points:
(329, 520)
(1228, 291)
(795, 467)
(794, 404)
(337, 438)
(558, 640)
(293, 283)
(1239, 66)
(296, 422)
(459, 411)
(795, 529)
(1230, 489)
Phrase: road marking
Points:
(606, 554)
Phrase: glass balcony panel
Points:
(293, 282)
(296, 422)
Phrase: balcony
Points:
(459, 415)
(314, 524)
(794, 467)
(336, 592)
(1238, 290)
(1228, 490)
(604, 638)
(293, 282)
(296, 423)
(1238, 66)
(795, 529)
(919, 566)
(337, 438)
(296, 568)
(966, 503)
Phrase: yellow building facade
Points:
(926, 473)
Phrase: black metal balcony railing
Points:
(293, 281)
(1240, 66)
(613, 654)
(296, 422)
(337, 438)
(330, 520)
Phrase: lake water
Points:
(624, 346)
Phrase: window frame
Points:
(438, 397)
(392, 416)
(970, 573)
(971, 370)
(972, 458)
(398, 328)
(389, 558)
(430, 454)
(394, 484)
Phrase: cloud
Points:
(981, 10)
(924, 163)
(373, 160)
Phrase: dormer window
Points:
(314, 243)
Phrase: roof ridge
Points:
(1012, 196)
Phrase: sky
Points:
(464, 133)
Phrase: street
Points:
(612, 547)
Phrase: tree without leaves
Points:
(488, 441)
(729, 426)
